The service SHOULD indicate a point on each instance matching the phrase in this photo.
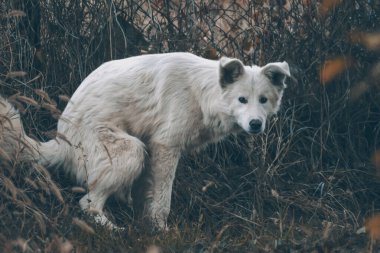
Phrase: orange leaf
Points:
(333, 67)
(376, 160)
(372, 226)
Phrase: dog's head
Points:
(252, 93)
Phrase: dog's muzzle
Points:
(255, 126)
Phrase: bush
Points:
(307, 183)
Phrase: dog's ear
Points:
(277, 72)
(230, 70)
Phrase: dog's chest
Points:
(206, 131)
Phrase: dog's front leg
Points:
(163, 164)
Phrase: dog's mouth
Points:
(239, 128)
(255, 131)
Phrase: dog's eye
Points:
(263, 100)
(243, 100)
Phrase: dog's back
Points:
(152, 97)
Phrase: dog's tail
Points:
(16, 145)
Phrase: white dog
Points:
(141, 113)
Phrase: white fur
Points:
(143, 112)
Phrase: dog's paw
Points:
(102, 220)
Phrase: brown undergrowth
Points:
(308, 184)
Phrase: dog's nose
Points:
(255, 125)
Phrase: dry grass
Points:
(306, 185)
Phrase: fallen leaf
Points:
(333, 67)
(372, 226)
(376, 160)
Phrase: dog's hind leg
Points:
(117, 159)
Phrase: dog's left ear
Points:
(277, 72)
(230, 70)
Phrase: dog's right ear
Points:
(230, 70)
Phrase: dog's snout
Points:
(255, 125)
